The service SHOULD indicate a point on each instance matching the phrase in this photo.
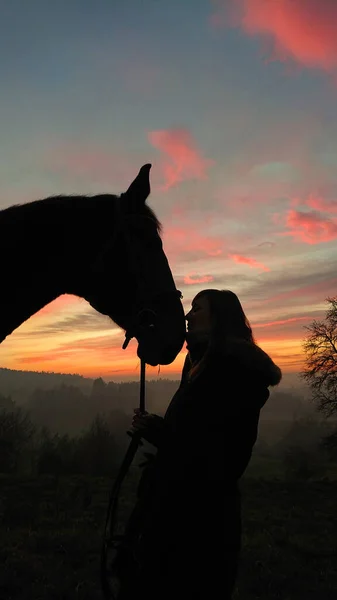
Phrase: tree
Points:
(97, 448)
(302, 464)
(16, 432)
(320, 372)
(6, 402)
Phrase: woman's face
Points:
(199, 317)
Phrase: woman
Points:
(189, 503)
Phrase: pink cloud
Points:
(43, 358)
(187, 240)
(193, 279)
(183, 160)
(310, 293)
(322, 205)
(310, 227)
(251, 262)
(281, 322)
(300, 30)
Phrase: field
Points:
(51, 536)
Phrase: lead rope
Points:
(111, 541)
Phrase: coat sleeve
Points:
(216, 428)
(212, 430)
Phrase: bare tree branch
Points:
(320, 372)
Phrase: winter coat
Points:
(191, 531)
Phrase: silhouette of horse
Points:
(106, 249)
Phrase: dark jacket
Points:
(193, 516)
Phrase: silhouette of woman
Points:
(189, 510)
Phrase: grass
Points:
(51, 531)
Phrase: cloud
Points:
(266, 245)
(183, 161)
(298, 287)
(310, 227)
(222, 280)
(189, 242)
(192, 279)
(322, 204)
(40, 359)
(64, 301)
(98, 164)
(274, 163)
(281, 330)
(89, 321)
(290, 357)
(251, 262)
(304, 292)
(90, 355)
(282, 322)
(300, 30)
(99, 342)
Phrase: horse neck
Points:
(38, 246)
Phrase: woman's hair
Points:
(228, 320)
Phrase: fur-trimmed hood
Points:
(255, 359)
(248, 354)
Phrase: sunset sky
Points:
(234, 102)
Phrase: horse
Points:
(104, 248)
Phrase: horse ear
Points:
(140, 189)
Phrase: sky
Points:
(234, 102)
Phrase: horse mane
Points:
(77, 203)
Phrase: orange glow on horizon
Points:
(112, 364)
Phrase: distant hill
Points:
(20, 384)
(289, 398)
(292, 380)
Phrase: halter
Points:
(141, 316)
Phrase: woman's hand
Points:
(149, 426)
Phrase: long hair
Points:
(228, 320)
